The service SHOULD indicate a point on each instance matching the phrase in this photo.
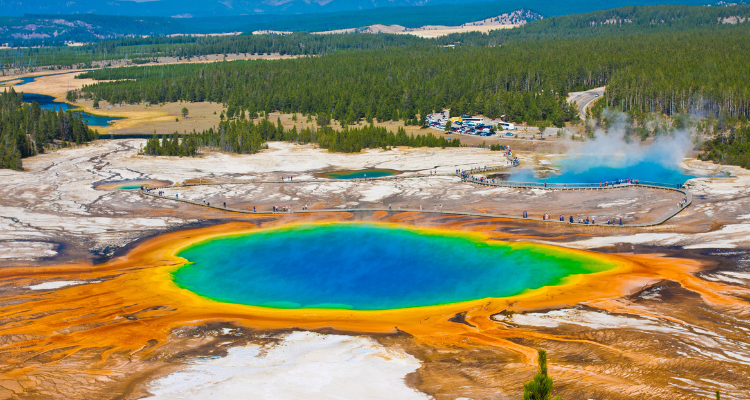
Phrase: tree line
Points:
(687, 72)
(730, 148)
(631, 20)
(141, 50)
(619, 21)
(248, 137)
(393, 84)
(27, 129)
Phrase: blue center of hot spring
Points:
(574, 170)
(370, 267)
(360, 174)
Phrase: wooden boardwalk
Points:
(688, 196)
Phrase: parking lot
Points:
(470, 125)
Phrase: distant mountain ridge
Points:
(186, 9)
(84, 28)
(55, 29)
(45, 29)
(203, 8)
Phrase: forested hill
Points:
(391, 84)
(27, 129)
(38, 30)
(613, 22)
(731, 148)
(141, 50)
(623, 21)
(224, 9)
(55, 29)
(703, 71)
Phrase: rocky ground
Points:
(666, 339)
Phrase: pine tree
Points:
(540, 388)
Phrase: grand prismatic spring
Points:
(370, 267)
(299, 271)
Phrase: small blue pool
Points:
(49, 103)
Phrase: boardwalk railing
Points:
(594, 186)
(481, 170)
(587, 186)
(564, 186)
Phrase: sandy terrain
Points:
(431, 31)
(669, 328)
(159, 118)
(56, 85)
(444, 31)
(138, 118)
(504, 21)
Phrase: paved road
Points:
(584, 99)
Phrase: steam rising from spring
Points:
(613, 149)
(613, 155)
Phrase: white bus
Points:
(507, 126)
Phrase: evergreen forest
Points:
(248, 137)
(27, 129)
(657, 60)
(731, 148)
(690, 72)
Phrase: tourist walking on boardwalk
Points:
(571, 219)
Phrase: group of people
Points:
(466, 176)
(584, 220)
(509, 155)
(158, 192)
(440, 206)
(682, 203)
(148, 191)
(291, 178)
(618, 182)
(278, 209)
(286, 209)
